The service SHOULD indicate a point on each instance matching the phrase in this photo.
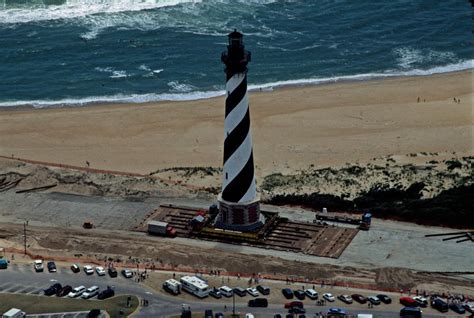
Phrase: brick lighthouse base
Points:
(243, 216)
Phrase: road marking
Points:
(12, 289)
(23, 290)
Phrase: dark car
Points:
(384, 298)
(75, 268)
(334, 311)
(112, 272)
(106, 293)
(457, 308)
(300, 294)
(277, 316)
(64, 291)
(288, 293)
(297, 310)
(51, 267)
(94, 313)
(215, 293)
(410, 312)
(359, 298)
(440, 305)
(219, 315)
(264, 290)
(301, 316)
(208, 313)
(53, 289)
(289, 316)
(296, 303)
(240, 291)
(258, 302)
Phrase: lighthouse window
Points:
(226, 176)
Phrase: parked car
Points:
(240, 291)
(127, 273)
(90, 292)
(300, 294)
(106, 293)
(112, 272)
(297, 310)
(258, 302)
(252, 291)
(329, 297)
(215, 293)
(38, 265)
(264, 290)
(410, 312)
(422, 301)
(226, 291)
(345, 298)
(277, 316)
(359, 298)
(89, 270)
(290, 316)
(218, 315)
(94, 313)
(52, 290)
(76, 292)
(374, 300)
(457, 308)
(311, 293)
(469, 307)
(384, 298)
(249, 315)
(100, 271)
(51, 267)
(440, 304)
(75, 268)
(296, 303)
(287, 292)
(208, 313)
(408, 301)
(64, 291)
(333, 311)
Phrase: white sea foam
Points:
(407, 57)
(180, 87)
(185, 94)
(81, 8)
(134, 98)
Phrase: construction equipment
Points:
(365, 221)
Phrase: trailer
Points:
(195, 286)
(161, 228)
(172, 286)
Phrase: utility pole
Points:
(24, 235)
(233, 303)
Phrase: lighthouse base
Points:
(243, 216)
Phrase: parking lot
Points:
(78, 314)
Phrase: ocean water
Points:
(74, 52)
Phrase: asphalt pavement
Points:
(21, 278)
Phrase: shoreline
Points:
(350, 79)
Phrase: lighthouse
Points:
(239, 205)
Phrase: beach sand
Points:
(293, 127)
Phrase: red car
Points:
(408, 301)
(359, 298)
(294, 304)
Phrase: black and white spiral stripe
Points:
(238, 177)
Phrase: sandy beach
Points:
(293, 127)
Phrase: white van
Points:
(76, 292)
(90, 292)
(226, 291)
(311, 293)
(14, 313)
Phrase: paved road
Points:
(22, 279)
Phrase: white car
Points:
(38, 265)
(100, 271)
(249, 315)
(469, 307)
(90, 292)
(328, 297)
(89, 270)
(311, 293)
(76, 292)
(252, 291)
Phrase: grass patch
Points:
(33, 304)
